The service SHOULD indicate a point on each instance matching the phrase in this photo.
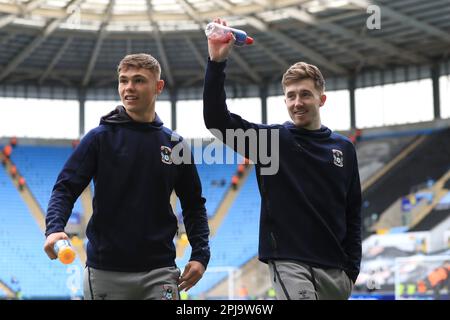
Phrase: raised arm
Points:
(215, 112)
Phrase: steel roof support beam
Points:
(198, 56)
(156, 33)
(305, 17)
(23, 10)
(55, 60)
(98, 44)
(47, 31)
(410, 21)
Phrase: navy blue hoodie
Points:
(132, 227)
(311, 208)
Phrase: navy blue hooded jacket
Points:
(311, 208)
(132, 227)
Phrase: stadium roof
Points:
(78, 43)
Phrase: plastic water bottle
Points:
(64, 251)
(218, 32)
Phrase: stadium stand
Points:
(23, 264)
(40, 165)
(411, 209)
(374, 153)
(431, 220)
(385, 149)
(215, 182)
(405, 174)
(215, 178)
(236, 241)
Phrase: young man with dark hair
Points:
(131, 253)
(310, 225)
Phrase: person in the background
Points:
(130, 252)
(310, 226)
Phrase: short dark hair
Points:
(140, 60)
(303, 70)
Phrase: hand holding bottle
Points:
(64, 251)
(57, 245)
(222, 33)
(221, 40)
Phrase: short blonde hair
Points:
(300, 71)
(140, 60)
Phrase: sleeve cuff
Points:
(202, 258)
(54, 230)
(216, 66)
(353, 275)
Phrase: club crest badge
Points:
(166, 155)
(338, 158)
(168, 293)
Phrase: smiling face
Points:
(303, 102)
(303, 87)
(138, 89)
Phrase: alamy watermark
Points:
(258, 145)
(73, 281)
(374, 20)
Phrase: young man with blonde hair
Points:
(131, 253)
(310, 225)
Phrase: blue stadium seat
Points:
(40, 166)
(236, 241)
(24, 265)
(211, 176)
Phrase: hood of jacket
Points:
(323, 132)
(119, 116)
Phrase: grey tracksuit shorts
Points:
(293, 280)
(157, 284)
